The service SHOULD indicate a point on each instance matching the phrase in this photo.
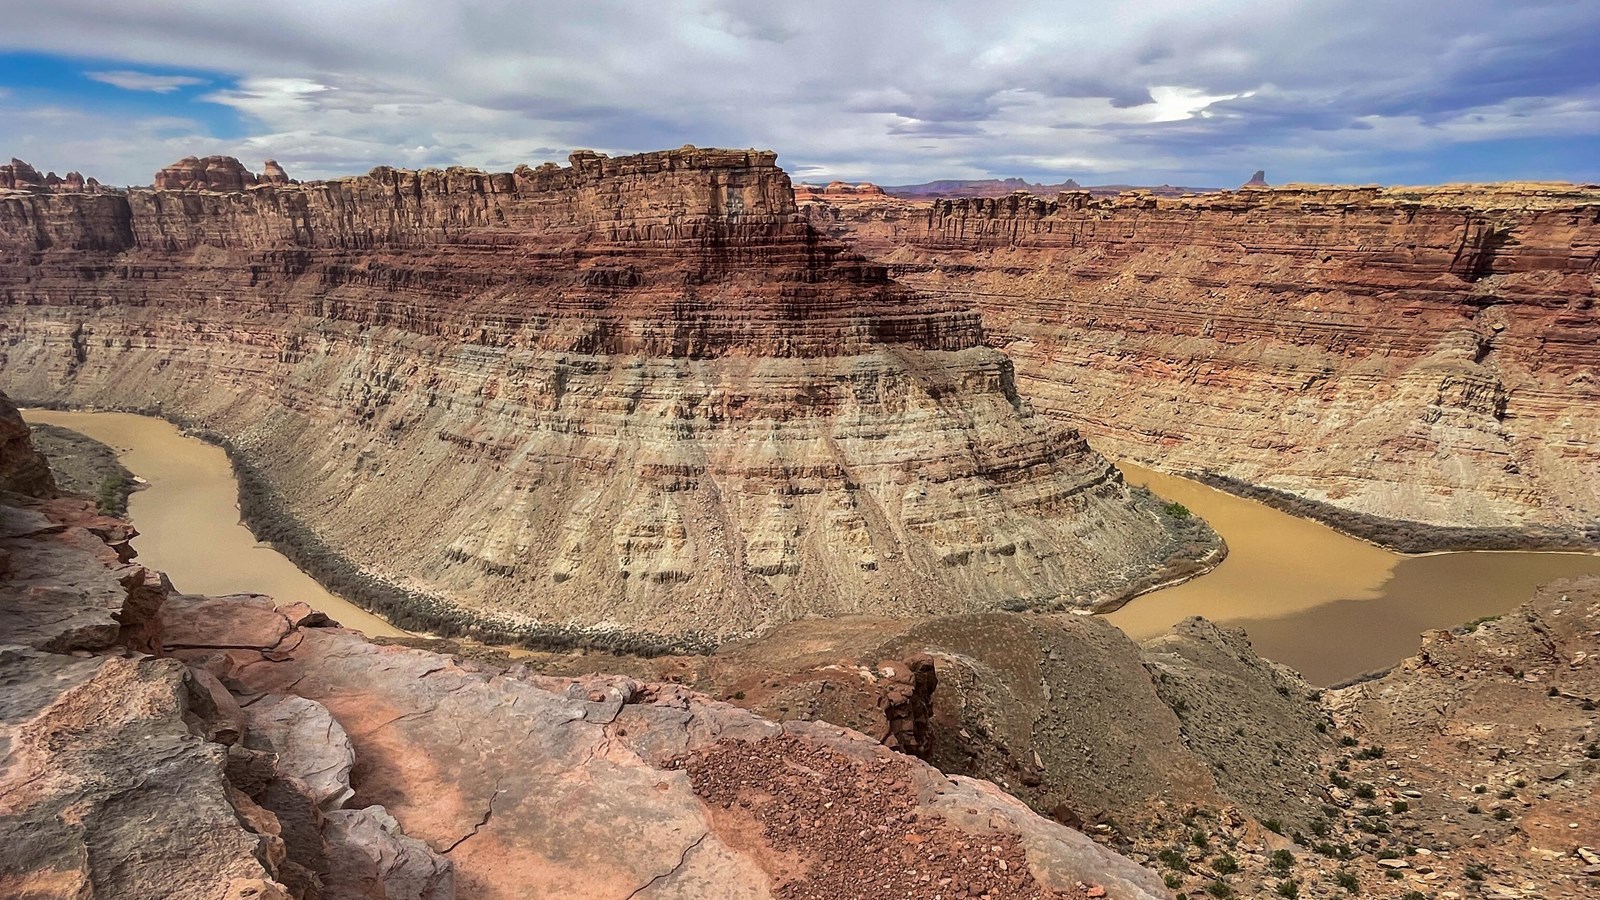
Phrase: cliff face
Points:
(23, 470)
(1423, 354)
(639, 392)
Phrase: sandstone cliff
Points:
(638, 392)
(1425, 354)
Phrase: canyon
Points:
(1413, 365)
(637, 396)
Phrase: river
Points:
(188, 517)
(1326, 604)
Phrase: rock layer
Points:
(1421, 354)
(231, 747)
(638, 392)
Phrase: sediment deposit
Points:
(637, 393)
(1427, 355)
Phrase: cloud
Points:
(144, 81)
(900, 90)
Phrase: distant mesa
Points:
(1259, 179)
(836, 191)
(1001, 187)
(19, 176)
(210, 173)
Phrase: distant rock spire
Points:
(1259, 179)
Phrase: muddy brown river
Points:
(1328, 605)
(188, 516)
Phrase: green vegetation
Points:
(1347, 879)
(1172, 880)
(1172, 858)
(1289, 888)
(1366, 791)
(1282, 860)
(1176, 510)
(1219, 889)
(1200, 840)
(1225, 865)
(1400, 806)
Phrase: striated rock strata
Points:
(201, 747)
(636, 393)
(1416, 354)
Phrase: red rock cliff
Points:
(1425, 354)
(639, 392)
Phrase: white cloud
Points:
(898, 90)
(144, 81)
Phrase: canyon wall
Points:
(1420, 354)
(638, 393)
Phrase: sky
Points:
(899, 91)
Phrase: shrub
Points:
(1400, 806)
(1176, 510)
(1219, 889)
(1172, 858)
(1370, 753)
(1282, 860)
(1288, 888)
(1502, 814)
(1366, 791)
(1200, 840)
(1172, 880)
(1347, 879)
(1348, 741)
(1225, 865)
(1272, 825)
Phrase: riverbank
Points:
(261, 509)
(1405, 536)
(86, 467)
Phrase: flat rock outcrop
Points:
(638, 394)
(1423, 354)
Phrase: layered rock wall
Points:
(637, 393)
(1422, 354)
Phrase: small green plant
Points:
(1475, 872)
(1200, 840)
(1225, 865)
(1272, 825)
(1502, 814)
(1347, 879)
(1414, 895)
(1176, 510)
(1289, 888)
(1393, 874)
(1172, 858)
(1219, 889)
(1474, 809)
(1480, 789)
(1553, 691)
(1339, 781)
(110, 500)
(1172, 880)
(1282, 860)
(1507, 794)
(1370, 753)
(1366, 791)
(1320, 828)
(1520, 783)
(1400, 806)
(1348, 741)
